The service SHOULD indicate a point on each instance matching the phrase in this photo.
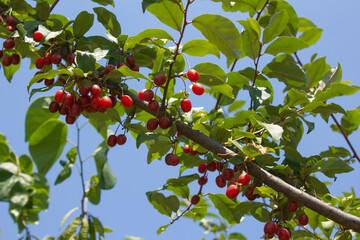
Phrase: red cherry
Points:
(7, 61)
(202, 180)
(121, 139)
(120, 65)
(270, 228)
(47, 58)
(232, 191)
(283, 234)
(75, 109)
(202, 168)
(193, 75)
(126, 101)
(111, 141)
(15, 59)
(10, 28)
(292, 206)
(244, 179)
(49, 82)
(67, 100)
(303, 219)
(71, 58)
(135, 68)
(95, 90)
(1, 19)
(84, 100)
(212, 166)
(69, 119)
(164, 122)
(178, 134)
(141, 94)
(148, 95)
(160, 79)
(220, 181)
(195, 199)
(38, 36)
(152, 124)
(186, 148)
(109, 68)
(185, 105)
(220, 167)
(84, 89)
(56, 58)
(1, 54)
(94, 101)
(105, 102)
(131, 60)
(10, 20)
(39, 63)
(153, 106)
(198, 89)
(63, 110)
(9, 43)
(192, 152)
(228, 174)
(113, 101)
(174, 160)
(54, 107)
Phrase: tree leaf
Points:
(335, 90)
(182, 180)
(276, 26)
(85, 61)
(165, 205)
(285, 44)
(311, 36)
(105, 2)
(258, 94)
(200, 48)
(295, 98)
(10, 71)
(227, 207)
(151, 33)
(124, 71)
(67, 215)
(158, 149)
(83, 22)
(221, 32)
(70, 230)
(107, 178)
(43, 10)
(162, 229)
(46, 144)
(274, 130)
(210, 74)
(168, 12)
(331, 166)
(315, 71)
(108, 20)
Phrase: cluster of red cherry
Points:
(11, 57)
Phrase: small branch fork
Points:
(355, 154)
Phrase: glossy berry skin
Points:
(63, 110)
(249, 192)
(59, 96)
(121, 139)
(1, 54)
(193, 75)
(141, 94)
(192, 152)
(75, 109)
(10, 20)
(56, 58)
(47, 58)
(71, 58)
(135, 68)
(195, 199)
(9, 43)
(39, 63)
(198, 89)
(185, 105)
(7, 61)
(212, 166)
(174, 160)
(49, 82)
(54, 107)
(113, 101)
(120, 65)
(109, 68)
(283, 234)
(186, 148)
(111, 141)
(95, 90)
(148, 95)
(160, 79)
(38, 36)
(153, 106)
(84, 89)
(202, 180)
(303, 219)
(84, 100)
(232, 191)
(68, 100)
(131, 60)
(228, 174)
(292, 206)
(95, 101)
(244, 179)
(69, 119)
(15, 59)
(126, 101)
(164, 122)
(220, 181)
(10, 28)
(270, 228)
(202, 168)
(152, 124)
(105, 102)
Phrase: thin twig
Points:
(261, 10)
(83, 207)
(53, 5)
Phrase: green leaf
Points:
(219, 134)
(227, 207)
(210, 74)
(108, 20)
(147, 34)
(236, 236)
(285, 44)
(293, 22)
(319, 187)
(98, 226)
(85, 61)
(311, 36)
(162, 229)
(274, 130)
(168, 12)
(331, 166)
(105, 2)
(48, 75)
(83, 23)
(165, 205)
(266, 192)
(333, 75)
(70, 230)
(46, 144)
(43, 10)
(124, 71)
(324, 109)
(350, 121)
(158, 149)
(276, 26)
(107, 178)
(25, 162)
(295, 98)
(200, 48)
(221, 32)
(145, 136)
(258, 94)
(237, 79)
(84, 230)
(67, 215)
(315, 71)
(64, 174)
(336, 90)
(198, 211)
(182, 180)
(94, 192)
(10, 71)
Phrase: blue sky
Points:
(125, 208)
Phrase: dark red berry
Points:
(49, 82)
(131, 60)
(47, 58)
(152, 124)
(94, 101)
(84, 90)
(71, 58)
(292, 206)
(126, 101)
(228, 174)
(195, 199)
(1, 54)
(303, 219)
(135, 68)
(10, 28)
(56, 58)
(185, 105)
(54, 107)
(105, 102)
(198, 89)
(186, 148)
(202, 180)
(63, 110)
(153, 106)
(232, 191)
(75, 109)
(174, 160)
(212, 166)
(10, 20)
(270, 228)
(202, 168)
(95, 90)
(38, 36)
(283, 234)
(9, 43)
(193, 75)
(220, 181)
(192, 152)
(109, 68)
(111, 140)
(39, 63)
(148, 95)
(160, 79)
(120, 65)
(59, 96)
(7, 61)
(113, 101)
(68, 100)
(84, 100)
(121, 139)
(69, 119)
(164, 122)
(15, 59)
(141, 94)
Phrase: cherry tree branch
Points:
(83, 199)
(53, 5)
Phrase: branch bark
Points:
(346, 220)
